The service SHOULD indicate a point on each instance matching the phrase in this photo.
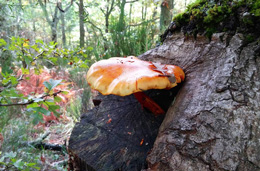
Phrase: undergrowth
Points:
(18, 131)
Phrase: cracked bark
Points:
(214, 121)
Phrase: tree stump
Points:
(214, 122)
(118, 133)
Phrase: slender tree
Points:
(55, 18)
(81, 24)
(166, 13)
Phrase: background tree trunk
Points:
(81, 24)
(63, 30)
(214, 122)
(166, 13)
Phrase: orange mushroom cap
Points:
(124, 76)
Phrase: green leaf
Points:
(2, 42)
(75, 59)
(57, 99)
(41, 110)
(37, 118)
(5, 81)
(27, 59)
(30, 164)
(39, 41)
(48, 102)
(25, 71)
(14, 80)
(52, 84)
(53, 108)
(35, 47)
(65, 92)
(10, 154)
(47, 85)
(90, 48)
(32, 105)
(2, 159)
(19, 164)
(53, 59)
(83, 65)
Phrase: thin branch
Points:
(30, 101)
(111, 7)
(67, 8)
(38, 143)
(99, 29)
(131, 1)
(138, 24)
(102, 11)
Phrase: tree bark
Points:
(214, 122)
(81, 24)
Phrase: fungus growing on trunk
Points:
(125, 76)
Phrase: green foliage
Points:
(36, 56)
(9, 161)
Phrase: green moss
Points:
(249, 38)
(208, 17)
(256, 8)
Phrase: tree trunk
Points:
(81, 24)
(214, 122)
(117, 134)
(55, 19)
(63, 28)
(166, 13)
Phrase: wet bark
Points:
(214, 121)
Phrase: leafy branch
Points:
(33, 100)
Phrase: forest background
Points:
(46, 47)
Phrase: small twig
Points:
(31, 101)
(138, 24)
(38, 143)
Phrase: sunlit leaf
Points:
(57, 99)
(90, 48)
(65, 92)
(32, 105)
(52, 84)
(2, 42)
(25, 70)
(14, 80)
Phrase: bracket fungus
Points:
(125, 76)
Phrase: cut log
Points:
(117, 134)
(214, 122)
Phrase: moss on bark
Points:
(207, 17)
